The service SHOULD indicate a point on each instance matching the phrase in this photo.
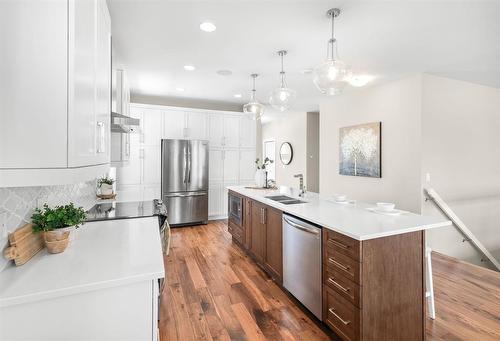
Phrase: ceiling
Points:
(154, 39)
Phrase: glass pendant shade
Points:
(254, 109)
(283, 97)
(331, 76)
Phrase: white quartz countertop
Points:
(101, 255)
(353, 220)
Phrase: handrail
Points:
(460, 225)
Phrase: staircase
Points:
(488, 258)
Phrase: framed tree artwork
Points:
(360, 150)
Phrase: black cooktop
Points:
(126, 210)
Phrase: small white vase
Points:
(106, 189)
(260, 178)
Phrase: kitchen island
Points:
(372, 267)
(104, 286)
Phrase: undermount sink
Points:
(283, 199)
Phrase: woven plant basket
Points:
(56, 241)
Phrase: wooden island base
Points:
(372, 290)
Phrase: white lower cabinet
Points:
(130, 312)
(215, 200)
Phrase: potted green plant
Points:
(56, 224)
(261, 173)
(105, 185)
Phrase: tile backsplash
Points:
(17, 204)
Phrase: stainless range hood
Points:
(124, 124)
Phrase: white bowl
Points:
(385, 206)
(340, 197)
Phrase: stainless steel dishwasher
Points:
(302, 262)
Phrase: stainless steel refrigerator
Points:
(184, 180)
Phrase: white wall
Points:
(312, 150)
(397, 105)
(290, 128)
(461, 153)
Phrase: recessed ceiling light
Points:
(360, 80)
(306, 71)
(207, 27)
(224, 72)
(237, 95)
(179, 89)
(189, 67)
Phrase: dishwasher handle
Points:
(315, 231)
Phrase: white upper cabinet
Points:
(216, 130)
(55, 91)
(174, 124)
(248, 131)
(33, 84)
(224, 131)
(231, 132)
(82, 81)
(179, 124)
(151, 128)
(151, 156)
(196, 125)
(103, 85)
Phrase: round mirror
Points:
(286, 153)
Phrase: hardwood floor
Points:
(467, 301)
(214, 291)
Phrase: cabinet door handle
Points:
(335, 242)
(334, 262)
(100, 138)
(331, 280)
(337, 316)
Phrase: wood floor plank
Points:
(228, 318)
(212, 315)
(194, 271)
(251, 329)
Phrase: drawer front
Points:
(345, 287)
(341, 316)
(345, 245)
(236, 231)
(338, 262)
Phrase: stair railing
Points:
(433, 196)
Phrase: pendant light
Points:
(282, 98)
(331, 76)
(254, 108)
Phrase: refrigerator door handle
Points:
(184, 180)
(189, 164)
(183, 195)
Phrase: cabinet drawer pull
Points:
(334, 262)
(331, 280)
(337, 316)
(342, 245)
